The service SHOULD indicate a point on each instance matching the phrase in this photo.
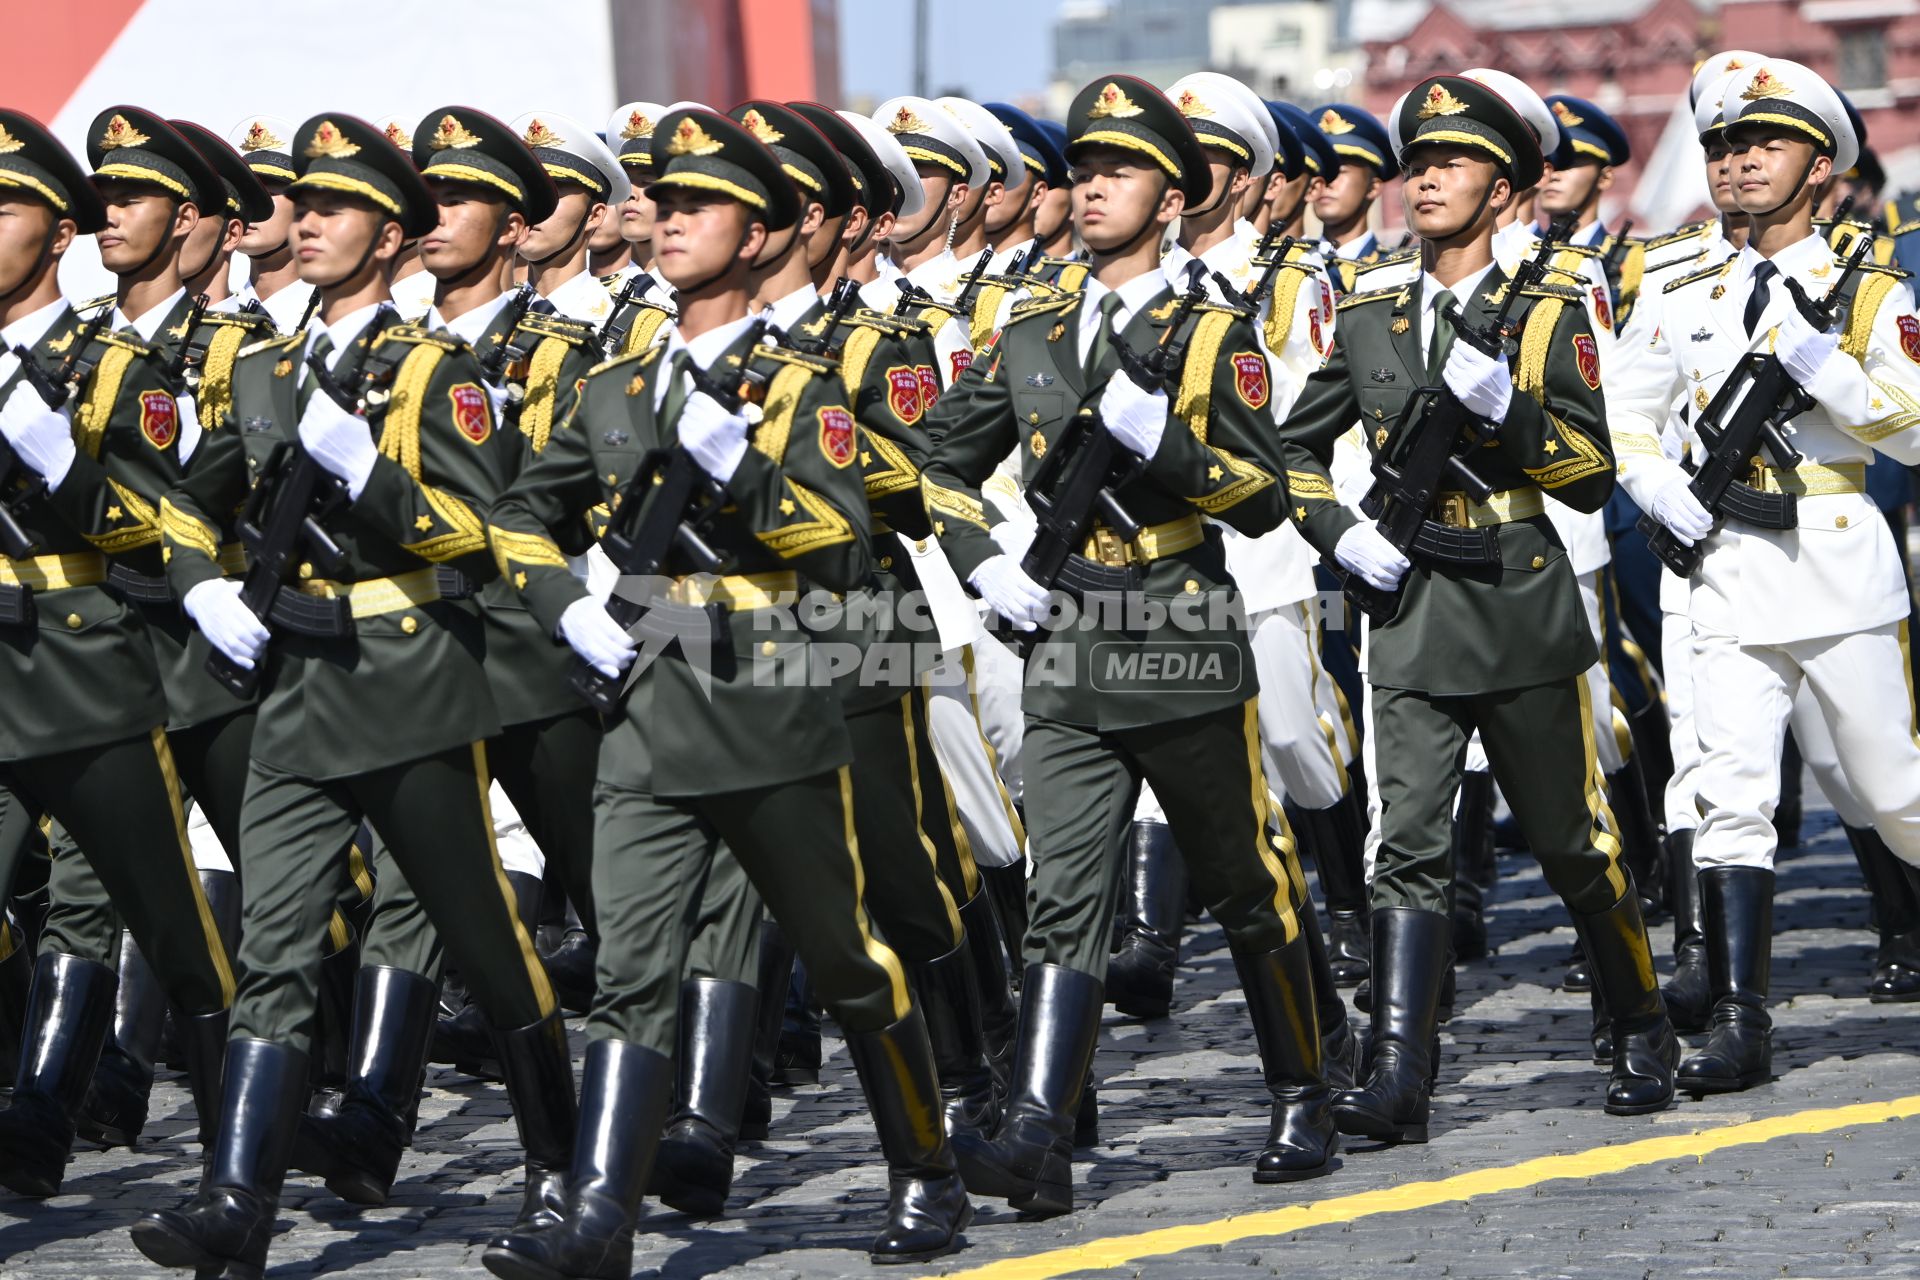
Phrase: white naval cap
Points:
(896, 161)
(1779, 92)
(1004, 162)
(262, 142)
(1226, 114)
(399, 130)
(629, 132)
(932, 135)
(1522, 98)
(574, 153)
(1707, 105)
(1716, 65)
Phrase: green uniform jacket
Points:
(1468, 630)
(1219, 457)
(526, 665)
(84, 674)
(796, 503)
(407, 683)
(215, 342)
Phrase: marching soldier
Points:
(1436, 671)
(84, 738)
(386, 642)
(643, 302)
(1097, 731)
(867, 261)
(273, 277)
(1035, 217)
(1345, 197)
(1844, 636)
(755, 760)
(593, 186)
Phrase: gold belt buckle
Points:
(1109, 549)
(1451, 509)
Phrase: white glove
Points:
(591, 632)
(1363, 550)
(1013, 537)
(339, 441)
(1136, 417)
(1803, 349)
(1482, 382)
(1676, 507)
(716, 439)
(1009, 592)
(42, 437)
(215, 607)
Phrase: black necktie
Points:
(1761, 295)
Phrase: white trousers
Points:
(1306, 745)
(973, 713)
(1743, 698)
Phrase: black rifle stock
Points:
(610, 338)
(1750, 413)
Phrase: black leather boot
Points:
(539, 1079)
(69, 1013)
(204, 1044)
(624, 1094)
(1301, 1141)
(1738, 1054)
(1896, 917)
(693, 1171)
(225, 1229)
(16, 984)
(776, 973)
(1472, 864)
(1339, 1047)
(1644, 1051)
(927, 1203)
(462, 1037)
(987, 951)
(330, 1059)
(356, 1150)
(1006, 888)
(948, 998)
(570, 961)
(1336, 837)
(1788, 813)
(1153, 905)
(1411, 957)
(1029, 1161)
(1639, 830)
(1689, 993)
(115, 1109)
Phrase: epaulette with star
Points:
(646, 355)
(1583, 250)
(277, 341)
(123, 339)
(1371, 295)
(1690, 231)
(788, 356)
(251, 321)
(94, 304)
(1040, 306)
(1903, 214)
(419, 335)
(1704, 273)
(1390, 260)
(554, 325)
(1550, 289)
(892, 326)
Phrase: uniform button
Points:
(768, 648)
(1033, 416)
(409, 624)
(612, 478)
(306, 571)
(1193, 588)
(74, 620)
(886, 562)
(1839, 522)
(1539, 562)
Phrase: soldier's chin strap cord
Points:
(1798, 187)
(1226, 190)
(1148, 225)
(46, 251)
(579, 230)
(935, 207)
(188, 275)
(690, 290)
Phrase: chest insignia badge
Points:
(1382, 375)
(1718, 292)
(283, 368)
(615, 438)
(1701, 335)
(1039, 379)
(1401, 325)
(1056, 333)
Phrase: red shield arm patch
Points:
(1602, 308)
(159, 418)
(903, 393)
(836, 435)
(1910, 337)
(1587, 354)
(472, 412)
(1250, 378)
(962, 361)
(929, 386)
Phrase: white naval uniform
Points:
(413, 295)
(1821, 607)
(583, 298)
(286, 308)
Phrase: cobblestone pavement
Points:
(1182, 1111)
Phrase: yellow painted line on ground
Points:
(1118, 1251)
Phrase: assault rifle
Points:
(1747, 414)
(283, 525)
(665, 508)
(840, 304)
(1431, 443)
(504, 353)
(610, 339)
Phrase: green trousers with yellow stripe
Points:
(1539, 743)
(121, 803)
(433, 815)
(1206, 772)
(652, 860)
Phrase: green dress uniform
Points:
(1153, 683)
(722, 734)
(385, 722)
(1489, 634)
(84, 739)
